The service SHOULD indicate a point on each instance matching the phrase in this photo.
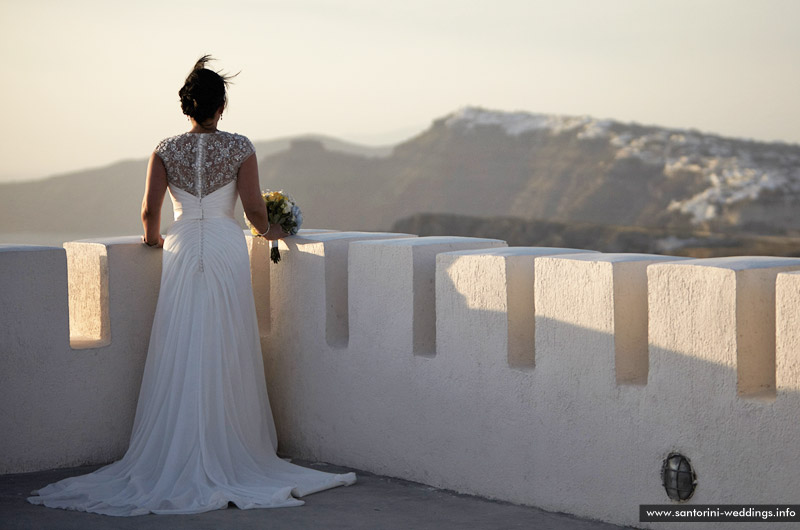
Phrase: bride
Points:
(203, 435)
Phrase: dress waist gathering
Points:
(202, 213)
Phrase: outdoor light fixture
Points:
(678, 477)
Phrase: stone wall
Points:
(558, 378)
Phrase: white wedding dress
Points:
(203, 435)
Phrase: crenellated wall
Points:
(558, 378)
(71, 359)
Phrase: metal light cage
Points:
(678, 477)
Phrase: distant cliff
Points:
(563, 169)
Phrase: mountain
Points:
(557, 168)
(476, 162)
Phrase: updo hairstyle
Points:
(203, 92)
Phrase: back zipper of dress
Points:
(198, 188)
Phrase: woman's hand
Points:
(158, 244)
(275, 232)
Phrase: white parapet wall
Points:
(575, 413)
(558, 378)
(68, 396)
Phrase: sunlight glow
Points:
(89, 82)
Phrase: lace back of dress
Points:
(202, 163)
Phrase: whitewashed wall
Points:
(64, 400)
(558, 378)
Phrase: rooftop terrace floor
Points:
(374, 502)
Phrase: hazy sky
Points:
(90, 82)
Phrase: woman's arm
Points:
(154, 191)
(252, 202)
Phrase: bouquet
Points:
(283, 211)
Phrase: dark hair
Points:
(203, 92)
